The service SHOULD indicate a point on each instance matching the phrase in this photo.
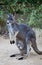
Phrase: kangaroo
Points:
(24, 35)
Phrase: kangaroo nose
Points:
(12, 42)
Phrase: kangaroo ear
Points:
(13, 17)
(9, 16)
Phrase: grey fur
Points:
(25, 34)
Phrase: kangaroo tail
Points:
(34, 46)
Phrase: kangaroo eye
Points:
(7, 23)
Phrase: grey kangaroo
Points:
(24, 35)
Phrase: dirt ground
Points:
(6, 49)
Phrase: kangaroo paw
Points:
(13, 55)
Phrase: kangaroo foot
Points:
(21, 58)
